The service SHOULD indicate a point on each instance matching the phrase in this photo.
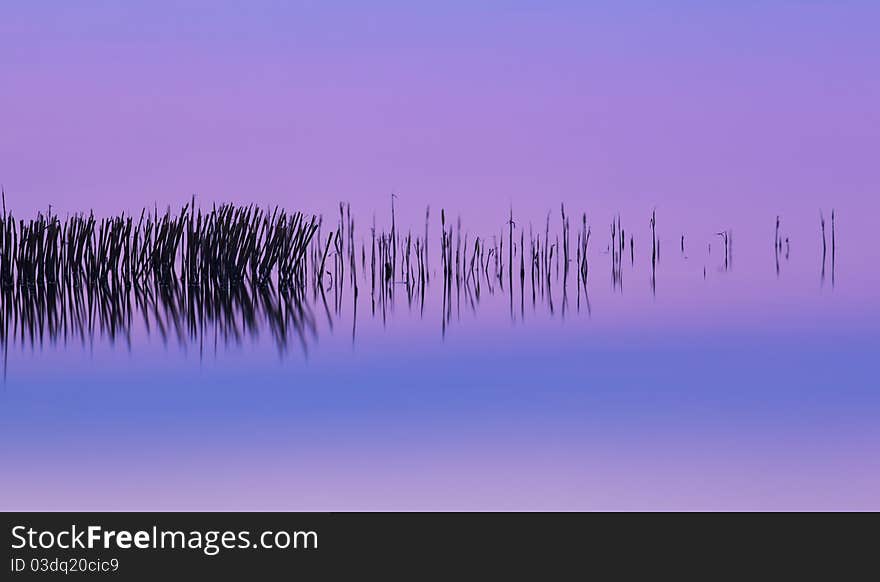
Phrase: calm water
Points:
(737, 387)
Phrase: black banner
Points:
(131, 546)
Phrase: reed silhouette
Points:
(228, 272)
(655, 252)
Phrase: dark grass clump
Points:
(231, 266)
(226, 244)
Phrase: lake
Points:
(739, 379)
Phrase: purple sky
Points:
(710, 109)
(743, 390)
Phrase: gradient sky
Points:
(746, 390)
(708, 108)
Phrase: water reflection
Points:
(204, 314)
(248, 273)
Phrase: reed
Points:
(57, 272)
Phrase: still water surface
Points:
(717, 387)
